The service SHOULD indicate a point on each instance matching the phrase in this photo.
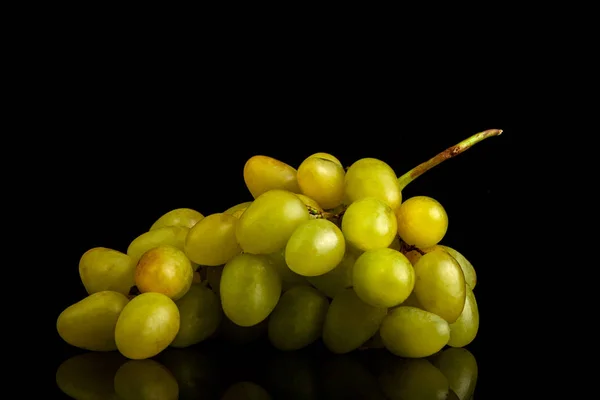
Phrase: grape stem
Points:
(450, 152)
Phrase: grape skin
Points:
(369, 224)
(322, 180)
(212, 241)
(422, 221)
(263, 173)
(185, 217)
(370, 177)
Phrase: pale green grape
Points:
(164, 269)
(90, 323)
(269, 221)
(213, 276)
(440, 285)
(414, 379)
(322, 180)
(185, 217)
(422, 221)
(383, 277)
(288, 277)
(250, 289)
(146, 326)
(465, 265)
(145, 379)
(460, 368)
(212, 241)
(327, 156)
(350, 322)
(262, 173)
(369, 224)
(297, 320)
(169, 235)
(246, 391)
(339, 278)
(464, 330)
(242, 206)
(370, 177)
(200, 315)
(316, 247)
(103, 269)
(414, 333)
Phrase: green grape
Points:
(90, 323)
(250, 289)
(316, 247)
(246, 391)
(212, 241)
(383, 277)
(460, 368)
(322, 180)
(262, 173)
(315, 210)
(185, 217)
(146, 326)
(169, 235)
(339, 278)
(414, 379)
(90, 375)
(213, 276)
(327, 156)
(199, 315)
(440, 285)
(414, 333)
(237, 207)
(145, 379)
(240, 335)
(288, 277)
(350, 322)
(164, 269)
(464, 330)
(370, 177)
(269, 221)
(422, 221)
(465, 265)
(103, 269)
(369, 224)
(297, 320)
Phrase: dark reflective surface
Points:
(218, 369)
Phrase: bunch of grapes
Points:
(321, 252)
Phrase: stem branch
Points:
(450, 152)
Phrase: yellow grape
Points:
(460, 368)
(146, 326)
(383, 277)
(242, 206)
(350, 322)
(90, 323)
(166, 270)
(185, 217)
(212, 241)
(414, 333)
(250, 289)
(103, 269)
(145, 379)
(262, 173)
(440, 285)
(414, 379)
(168, 235)
(322, 180)
(316, 247)
(464, 330)
(339, 278)
(315, 210)
(370, 177)
(327, 156)
(422, 221)
(467, 267)
(199, 314)
(369, 224)
(297, 320)
(269, 221)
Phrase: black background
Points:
(132, 151)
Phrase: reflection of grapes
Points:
(319, 252)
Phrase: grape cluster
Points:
(322, 252)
